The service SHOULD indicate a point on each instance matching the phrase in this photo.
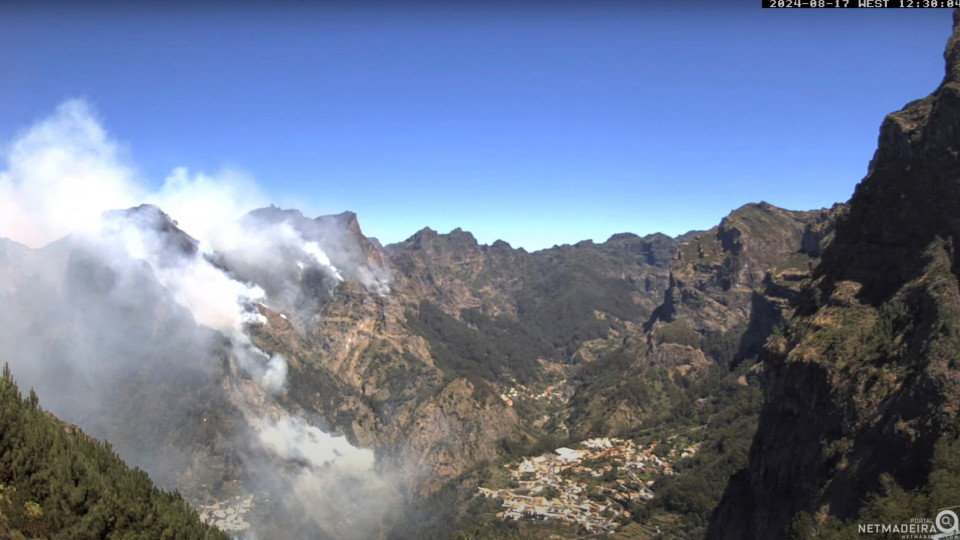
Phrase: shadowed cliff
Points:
(862, 389)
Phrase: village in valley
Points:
(228, 515)
(591, 486)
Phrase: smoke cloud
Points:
(61, 174)
(132, 320)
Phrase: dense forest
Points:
(56, 482)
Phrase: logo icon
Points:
(947, 523)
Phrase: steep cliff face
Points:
(714, 275)
(729, 288)
(863, 383)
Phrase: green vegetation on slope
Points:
(894, 504)
(717, 413)
(728, 412)
(55, 482)
(494, 349)
(562, 306)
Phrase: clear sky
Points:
(539, 125)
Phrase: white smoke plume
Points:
(128, 301)
(214, 299)
(207, 207)
(294, 439)
(277, 256)
(61, 174)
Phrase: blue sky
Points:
(540, 125)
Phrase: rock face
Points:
(454, 272)
(863, 383)
(714, 275)
(729, 288)
(355, 362)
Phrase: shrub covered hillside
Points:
(56, 482)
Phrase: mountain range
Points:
(783, 374)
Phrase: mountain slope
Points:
(714, 275)
(862, 386)
(57, 482)
(562, 293)
(729, 288)
(444, 356)
(421, 373)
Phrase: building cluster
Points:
(228, 515)
(554, 391)
(549, 486)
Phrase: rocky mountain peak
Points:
(910, 194)
(345, 221)
(150, 218)
(465, 237)
(275, 214)
(456, 241)
(952, 53)
(927, 128)
(146, 214)
(424, 236)
(622, 237)
(861, 384)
